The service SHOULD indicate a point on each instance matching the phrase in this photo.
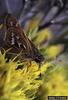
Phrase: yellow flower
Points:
(53, 51)
(18, 84)
(57, 85)
(43, 35)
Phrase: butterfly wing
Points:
(17, 40)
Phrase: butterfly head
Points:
(39, 58)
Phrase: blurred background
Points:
(45, 22)
(46, 14)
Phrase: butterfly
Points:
(16, 39)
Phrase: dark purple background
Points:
(14, 5)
